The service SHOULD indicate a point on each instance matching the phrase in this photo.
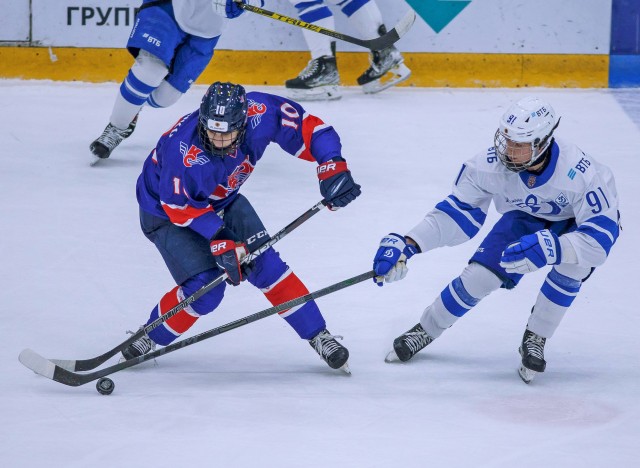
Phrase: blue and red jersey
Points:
(182, 182)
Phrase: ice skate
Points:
(102, 147)
(408, 344)
(140, 347)
(319, 81)
(332, 352)
(387, 69)
(532, 352)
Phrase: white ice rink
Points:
(76, 273)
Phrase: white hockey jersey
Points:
(198, 17)
(573, 185)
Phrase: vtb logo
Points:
(192, 155)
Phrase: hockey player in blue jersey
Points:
(172, 42)
(559, 208)
(191, 208)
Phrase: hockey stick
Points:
(51, 370)
(92, 363)
(379, 43)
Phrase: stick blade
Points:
(391, 37)
(66, 364)
(405, 23)
(38, 364)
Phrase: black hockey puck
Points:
(105, 386)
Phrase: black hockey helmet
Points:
(223, 109)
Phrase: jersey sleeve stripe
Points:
(605, 224)
(310, 125)
(600, 235)
(476, 213)
(464, 218)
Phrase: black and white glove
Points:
(390, 262)
(232, 9)
(337, 186)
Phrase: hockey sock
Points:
(176, 325)
(458, 298)
(555, 297)
(145, 75)
(364, 15)
(164, 95)
(305, 319)
(317, 13)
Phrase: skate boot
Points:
(387, 69)
(408, 344)
(332, 352)
(111, 137)
(139, 347)
(532, 352)
(319, 81)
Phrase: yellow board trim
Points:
(273, 68)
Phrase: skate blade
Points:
(527, 375)
(94, 160)
(391, 357)
(396, 75)
(345, 368)
(321, 93)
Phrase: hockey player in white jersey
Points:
(320, 79)
(172, 42)
(559, 207)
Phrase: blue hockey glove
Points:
(231, 9)
(337, 186)
(390, 262)
(531, 252)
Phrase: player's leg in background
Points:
(319, 80)
(189, 260)
(280, 284)
(153, 40)
(387, 66)
(190, 60)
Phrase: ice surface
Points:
(77, 272)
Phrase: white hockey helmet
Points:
(525, 133)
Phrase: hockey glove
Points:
(531, 252)
(390, 262)
(232, 9)
(228, 255)
(337, 186)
